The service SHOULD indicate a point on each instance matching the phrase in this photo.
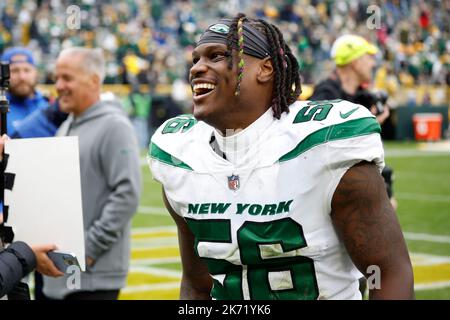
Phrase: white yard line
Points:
(151, 287)
(426, 237)
(155, 261)
(155, 242)
(156, 271)
(159, 211)
(398, 153)
(425, 259)
(423, 197)
(432, 285)
(137, 231)
(437, 177)
(442, 146)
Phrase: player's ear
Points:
(95, 79)
(265, 72)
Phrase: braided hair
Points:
(287, 86)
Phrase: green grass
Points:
(421, 186)
(439, 294)
(170, 266)
(146, 221)
(440, 249)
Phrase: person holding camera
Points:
(355, 62)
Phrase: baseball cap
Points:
(350, 47)
(18, 54)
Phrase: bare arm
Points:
(196, 283)
(368, 226)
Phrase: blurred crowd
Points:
(150, 41)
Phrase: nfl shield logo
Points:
(233, 182)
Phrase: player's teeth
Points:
(204, 86)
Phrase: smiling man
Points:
(109, 171)
(273, 198)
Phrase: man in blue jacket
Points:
(23, 97)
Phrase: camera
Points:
(4, 75)
(4, 85)
(372, 98)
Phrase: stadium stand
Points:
(153, 40)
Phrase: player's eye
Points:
(217, 56)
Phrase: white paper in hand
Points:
(45, 202)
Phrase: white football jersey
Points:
(262, 221)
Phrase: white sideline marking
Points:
(136, 231)
(151, 287)
(156, 261)
(442, 146)
(423, 197)
(397, 153)
(425, 259)
(160, 211)
(432, 285)
(430, 176)
(154, 242)
(426, 237)
(156, 271)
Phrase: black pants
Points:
(38, 286)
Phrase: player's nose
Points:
(198, 68)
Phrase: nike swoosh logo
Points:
(347, 114)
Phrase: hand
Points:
(381, 118)
(3, 139)
(89, 261)
(44, 264)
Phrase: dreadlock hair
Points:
(287, 86)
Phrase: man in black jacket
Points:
(19, 259)
(354, 59)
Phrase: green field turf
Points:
(422, 188)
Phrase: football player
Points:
(274, 198)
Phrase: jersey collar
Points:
(237, 144)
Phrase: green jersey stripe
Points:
(159, 154)
(349, 129)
